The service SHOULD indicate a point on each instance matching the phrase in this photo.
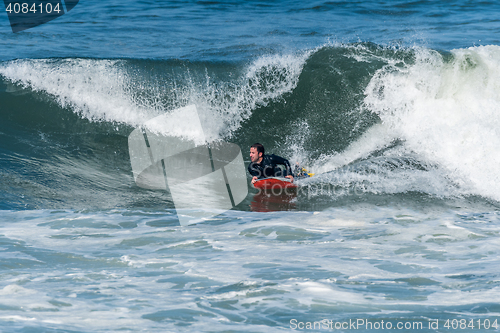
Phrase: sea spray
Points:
(115, 91)
(446, 110)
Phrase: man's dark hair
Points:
(259, 147)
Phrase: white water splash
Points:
(106, 90)
(447, 112)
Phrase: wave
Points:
(389, 120)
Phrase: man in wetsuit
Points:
(264, 166)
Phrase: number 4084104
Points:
(471, 324)
(27, 8)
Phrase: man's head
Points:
(256, 152)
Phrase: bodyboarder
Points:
(265, 166)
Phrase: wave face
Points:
(371, 121)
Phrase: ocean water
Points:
(393, 105)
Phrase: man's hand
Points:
(254, 179)
(290, 176)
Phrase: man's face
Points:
(254, 155)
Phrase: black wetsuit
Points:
(270, 166)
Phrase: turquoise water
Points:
(393, 105)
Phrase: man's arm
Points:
(253, 172)
(280, 160)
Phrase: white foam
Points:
(446, 112)
(23, 298)
(363, 259)
(96, 89)
(181, 123)
(310, 292)
(375, 138)
(106, 90)
(223, 106)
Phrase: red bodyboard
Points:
(274, 183)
